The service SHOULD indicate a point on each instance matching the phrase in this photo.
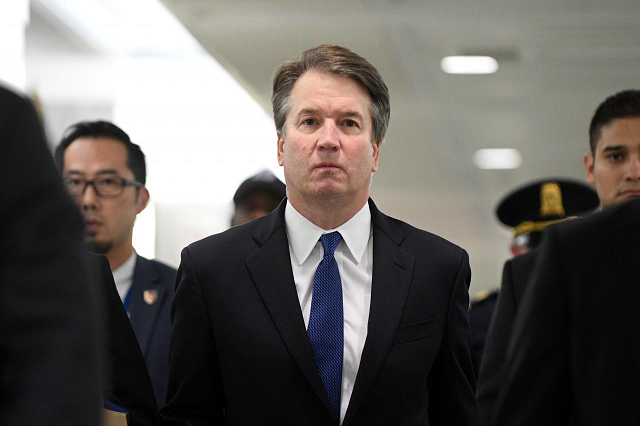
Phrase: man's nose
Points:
(633, 171)
(89, 199)
(329, 136)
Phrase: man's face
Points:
(256, 205)
(108, 221)
(327, 151)
(615, 170)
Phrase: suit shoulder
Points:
(222, 242)
(165, 271)
(424, 240)
(164, 268)
(11, 97)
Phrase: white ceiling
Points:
(558, 60)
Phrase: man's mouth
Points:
(327, 166)
(92, 225)
(630, 193)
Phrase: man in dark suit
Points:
(528, 209)
(49, 372)
(611, 167)
(325, 311)
(573, 354)
(105, 173)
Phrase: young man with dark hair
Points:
(613, 165)
(105, 173)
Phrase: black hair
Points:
(103, 129)
(625, 104)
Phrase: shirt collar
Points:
(124, 272)
(303, 234)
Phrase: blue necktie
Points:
(326, 325)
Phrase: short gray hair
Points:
(338, 60)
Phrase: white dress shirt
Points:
(354, 256)
(123, 276)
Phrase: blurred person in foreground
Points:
(105, 173)
(325, 311)
(527, 210)
(49, 372)
(257, 196)
(571, 354)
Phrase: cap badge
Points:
(551, 200)
(150, 296)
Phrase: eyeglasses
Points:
(107, 186)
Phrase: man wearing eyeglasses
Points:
(105, 174)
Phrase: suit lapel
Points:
(145, 308)
(270, 269)
(392, 273)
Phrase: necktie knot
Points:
(330, 242)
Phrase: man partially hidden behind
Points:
(528, 210)
(257, 196)
(325, 311)
(105, 173)
(573, 353)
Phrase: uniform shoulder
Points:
(485, 297)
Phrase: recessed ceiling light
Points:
(469, 65)
(501, 158)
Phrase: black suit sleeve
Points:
(452, 382)
(48, 353)
(195, 395)
(537, 374)
(127, 382)
(490, 376)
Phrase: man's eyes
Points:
(345, 123)
(615, 156)
(108, 181)
(75, 181)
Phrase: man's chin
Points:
(99, 247)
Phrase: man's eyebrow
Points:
(306, 111)
(107, 172)
(347, 113)
(101, 172)
(353, 114)
(614, 148)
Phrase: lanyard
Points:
(127, 300)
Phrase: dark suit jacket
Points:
(575, 349)
(126, 382)
(240, 353)
(48, 352)
(480, 314)
(151, 319)
(515, 276)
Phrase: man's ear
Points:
(376, 154)
(280, 149)
(143, 199)
(588, 167)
